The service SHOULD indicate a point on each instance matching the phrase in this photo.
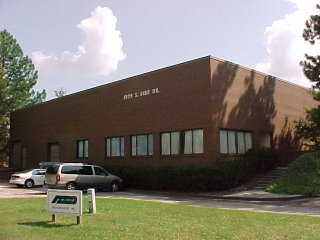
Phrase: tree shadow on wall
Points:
(290, 146)
(256, 107)
(241, 101)
(221, 81)
(287, 141)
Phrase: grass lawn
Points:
(302, 176)
(127, 219)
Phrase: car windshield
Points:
(52, 169)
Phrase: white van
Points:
(73, 176)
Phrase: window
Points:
(82, 170)
(53, 169)
(235, 142)
(82, 148)
(193, 141)
(39, 172)
(142, 145)
(170, 143)
(115, 147)
(186, 142)
(100, 172)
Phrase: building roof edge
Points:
(161, 69)
(262, 73)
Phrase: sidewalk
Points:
(255, 195)
(246, 195)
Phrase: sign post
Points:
(65, 201)
(92, 200)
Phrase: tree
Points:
(310, 128)
(17, 79)
(60, 93)
(4, 117)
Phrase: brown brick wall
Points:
(102, 112)
(243, 99)
(205, 93)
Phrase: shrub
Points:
(302, 177)
(267, 158)
(218, 176)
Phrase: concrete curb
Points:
(269, 198)
(256, 199)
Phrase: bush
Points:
(267, 158)
(221, 175)
(302, 177)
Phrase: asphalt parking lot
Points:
(11, 191)
(307, 206)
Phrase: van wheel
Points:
(71, 186)
(115, 186)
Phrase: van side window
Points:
(83, 170)
(86, 170)
(99, 171)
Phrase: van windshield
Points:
(52, 169)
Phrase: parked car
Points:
(28, 178)
(73, 176)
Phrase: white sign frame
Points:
(65, 201)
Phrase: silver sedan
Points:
(28, 178)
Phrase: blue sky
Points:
(81, 44)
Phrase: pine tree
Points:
(309, 129)
(17, 79)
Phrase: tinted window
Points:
(82, 148)
(99, 171)
(52, 169)
(83, 170)
(193, 141)
(142, 145)
(115, 147)
(235, 142)
(170, 143)
(38, 172)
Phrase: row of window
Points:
(172, 143)
(175, 143)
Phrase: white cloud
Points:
(98, 54)
(285, 45)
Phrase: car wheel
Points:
(29, 183)
(71, 186)
(115, 186)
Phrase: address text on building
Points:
(142, 93)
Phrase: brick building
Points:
(194, 112)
